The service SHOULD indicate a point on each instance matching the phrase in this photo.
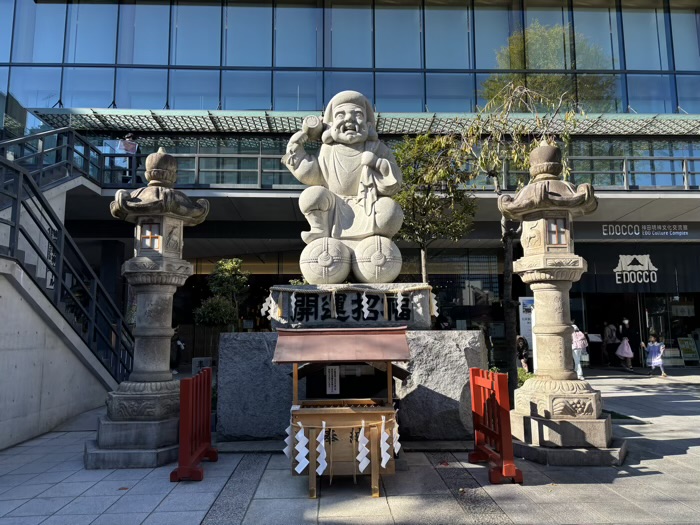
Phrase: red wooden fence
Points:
(195, 427)
(493, 441)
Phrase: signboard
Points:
(637, 231)
(332, 380)
(689, 351)
(527, 304)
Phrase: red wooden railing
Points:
(493, 441)
(195, 427)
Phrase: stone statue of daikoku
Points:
(348, 204)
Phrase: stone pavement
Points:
(43, 480)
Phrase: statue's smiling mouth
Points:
(349, 126)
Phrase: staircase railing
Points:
(32, 234)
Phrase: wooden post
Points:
(295, 384)
(389, 385)
(312, 463)
(375, 459)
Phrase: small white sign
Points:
(332, 380)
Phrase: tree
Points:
(230, 281)
(433, 196)
(545, 49)
(495, 141)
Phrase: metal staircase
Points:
(32, 235)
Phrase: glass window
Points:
(450, 93)
(88, 87)
(298, 33)
(348, 33)
(141, 88)
(246, 90)
(447, 35)
(298, 91)
(39, 30)
(595, 36)
(4, 72)
(91, 36)
(645, 36)
(547, 42)
(499, 36)
(7, 8)
(685, 25)
(599, 93)
(650, 93)
(192, 89)
(398, 41)
(337, 81)
(688, 93)
(143, 32)
(36, 87)
(196, 33)
(556, 233)
(247, 34)
(400, 92)
(488, 87)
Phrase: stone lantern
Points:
(141, 427)
(553, 409)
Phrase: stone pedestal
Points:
(141, 427)
(554, 410)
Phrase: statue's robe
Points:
(356, 188)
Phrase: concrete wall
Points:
(48, 374)
(254, 396)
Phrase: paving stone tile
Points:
(135, 503)
(669, 511)
(414, 481)
(232, 503)
(415, 459)
(72, 465)
(70, 519)
(206, 485)
(345, 499)
(89, 505)
(526, 513)
(12, 480)
(427, 510)
(65, 489)
(279, 462)
(153, 486)
(276, 511)
(129, 473)
(276, 484)
(365, 520)
(132, 518)
(89, 475)
(573, 513)
(110, 488)
(9, 505)
(40, 507)
(25, 491)
(191, 502)
(175, 518)
(47, 477)
(22, 520)
(224, 467)
(35, 467)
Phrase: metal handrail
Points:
(39, 243)
(77, 157)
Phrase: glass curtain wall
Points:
(447, 56)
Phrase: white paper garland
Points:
(302, 450)
(266, 306)
(433, 304)
(384, 444)
(365, 306)
(288, 441)
(321, 450)
(395, 433)
(362, 450)
(399, 300)
(293, 305)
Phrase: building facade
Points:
(222, 84)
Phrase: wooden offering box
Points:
(344, 418)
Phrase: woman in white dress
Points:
(579, 343)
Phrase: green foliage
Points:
(216, 311)
(433, 196)
(298, 282)
(544, 47)
(523, 376)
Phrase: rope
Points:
(344, 427)
(350, 288)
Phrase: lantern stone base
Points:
(569, 432)
(103, 458)
(614, 455)
(140, 429)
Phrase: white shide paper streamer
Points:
(362, 450)
(384, 444)
(321, 450)
(302, 450)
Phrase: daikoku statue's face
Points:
(349, 124)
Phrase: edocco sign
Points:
(633, 269)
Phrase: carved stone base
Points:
(558, 399)
(137, 434)
(153, 401)
(97, 458)
(570, 433)
(614, 455)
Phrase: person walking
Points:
(523, 352)
(579, 343)
(655, 353)
(629, 341)
(610, 341)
